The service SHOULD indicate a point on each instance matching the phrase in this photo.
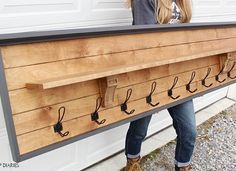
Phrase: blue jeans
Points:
(185, 126)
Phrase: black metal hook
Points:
(218, 75)
(170, 92)
(191, 80)
(204, 80)
(124, 105)
(149, 97)
(58, 126)
(95, 115)
(229, 73)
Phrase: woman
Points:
(163, 12)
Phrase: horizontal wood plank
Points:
(46, 136)
(40, 118)
(18, 77)
(105, 72)
(25, 100)
(36, 53)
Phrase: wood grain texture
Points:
(141, 59)
(37, 119)
(106, 72)
(67, 73)
(107, 88)
(46, 136)
(36, 53)
(25, 100)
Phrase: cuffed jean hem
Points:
(179, 164)
(130, 156)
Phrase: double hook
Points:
(95, 115)
(149, 97)
(170, 91)
(218, 75)
(229, 73)
(124, 106)
(191, 80)
(204, 80)
(58, 126)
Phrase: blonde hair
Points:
(164, 10)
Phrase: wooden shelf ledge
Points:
(112, 71)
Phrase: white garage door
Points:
(32, 15)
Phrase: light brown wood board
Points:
(46, 136)
(67, 72)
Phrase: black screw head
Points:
(124, 107)
(58, 127)
(94, 116)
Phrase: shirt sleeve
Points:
(143, 12)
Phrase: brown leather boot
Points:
(133, 165)
(186, 168)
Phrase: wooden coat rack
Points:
(59, 87)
